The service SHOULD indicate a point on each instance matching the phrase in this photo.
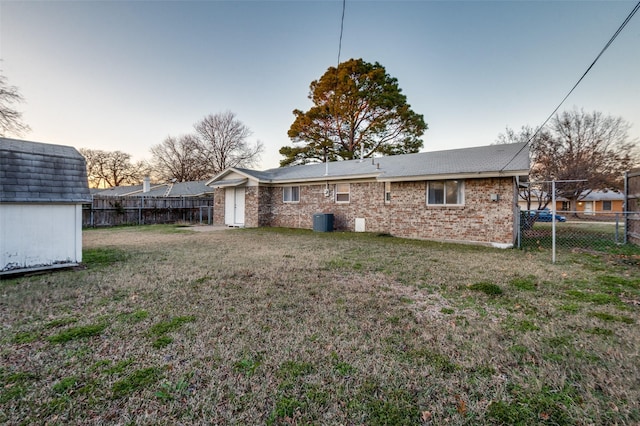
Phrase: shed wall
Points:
(35, 235)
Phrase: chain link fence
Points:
(601, 231)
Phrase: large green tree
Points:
(358, 105)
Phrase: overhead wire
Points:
(606, 46)
(344, 4)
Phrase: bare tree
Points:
(10, 118)
(591, 148)
(179, 159)
(223, 143)
(112, 168)
(536, 192)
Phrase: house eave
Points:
(225, 172)
(228, 183)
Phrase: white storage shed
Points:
(42, 189)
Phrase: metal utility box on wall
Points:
(323, 222)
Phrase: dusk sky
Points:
(124, 75)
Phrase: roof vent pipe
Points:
(361, 152)
(146, 184)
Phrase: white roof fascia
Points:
(219, 176)
(229, 183)
(226, 172)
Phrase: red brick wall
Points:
(251, 207)
(251, 204)
(407, 215)
(218, 206)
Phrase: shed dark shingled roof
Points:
(33, 172)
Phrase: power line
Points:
(606, 46)
(344, 4)
(335, 98)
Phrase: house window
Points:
(342, 193)
(291, 194)
(565, 206)
(387, 192)
(606, 206)
(445, 192)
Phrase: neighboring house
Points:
(463, 195)
(42, 189)
(178, 189)
(595, 202)
(598, 202)
(147, 204)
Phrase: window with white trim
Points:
(291, 194)
(387, 192)
(342, 192)
(445, 193)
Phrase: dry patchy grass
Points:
(273, 327)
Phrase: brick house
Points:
(598, 202)
(590, 203)
(461, 195)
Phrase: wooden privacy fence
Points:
(141, 210)
(632, 190)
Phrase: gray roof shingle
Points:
(33, 172)
(178, 189)
(504, 159)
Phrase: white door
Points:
(229, 206)
(588, 207)
(234, 206)
(239, 211)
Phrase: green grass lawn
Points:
(282, 327)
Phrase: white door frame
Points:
(234, 206)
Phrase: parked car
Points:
(545, 215)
